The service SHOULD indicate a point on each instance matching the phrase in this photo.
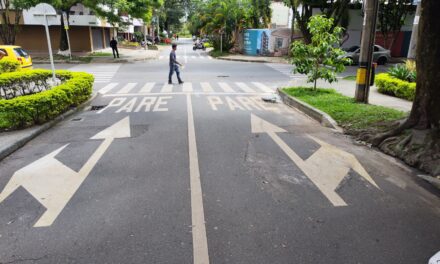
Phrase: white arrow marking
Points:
(326, 168)
(52, 183)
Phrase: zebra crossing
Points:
(285, 69)
(103, 72)
(187, 57)
(117, 89)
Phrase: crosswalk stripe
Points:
(160, 57)
(263, 87)
(127, 88)
(147, 87)
(226, 87)
(107, 88)
(245, 87)
(167, 88)
(187, 87)
(206, 87)
(193, 57)
(209, 57)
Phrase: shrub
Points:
(390, 85)
(40, 107)
(402, 72)
(207, 45)
(9, 65)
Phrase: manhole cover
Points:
(223, 76)
(97, 107)
(77, 119)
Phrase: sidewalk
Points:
(126, 55)
(260, 59)
(348, 88)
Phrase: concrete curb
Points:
(14, 146)
(247, 60)
(323, 118)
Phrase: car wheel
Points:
(382, 61)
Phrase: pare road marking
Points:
(136, 104)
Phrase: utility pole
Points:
(371, 8)
(415, 32)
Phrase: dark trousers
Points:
(115, 52)
(174, 68)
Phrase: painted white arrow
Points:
(326, 168)
(52, 183)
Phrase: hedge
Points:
(9, 65)
(387, 84)
(27, 110)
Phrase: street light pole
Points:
(367, 45)
(415, 32)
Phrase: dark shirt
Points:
(113, 43)
(173, 61)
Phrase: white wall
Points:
(280, 14)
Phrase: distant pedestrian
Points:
(174, 65)
(177, 37)
(114, 46)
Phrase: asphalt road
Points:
(206, 172)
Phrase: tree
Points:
(10, 16)
(109, 9)
(260, 14)
(321, 58)
(391, 18)
(417, 139)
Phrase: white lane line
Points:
(245, 87)
(167, 88)
(147, 87)
(206, 87)
(226, 87)
(200, 243)
(187, 87)
(127, 88)
(181, 93)
(193, 57)
(263, 87)
(107, 88)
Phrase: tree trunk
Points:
(425, 113)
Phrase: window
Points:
(21, 52)
(376, 48)
(278, 43)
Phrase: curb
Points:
(247, 60)
(323, 118)
(14, 146)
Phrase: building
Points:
(87, 31)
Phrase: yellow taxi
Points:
(16, 53)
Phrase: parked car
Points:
(17, 53)
(380, 54)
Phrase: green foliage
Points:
(24, 111)
(391, 18)
(390, 85)
(9, 65)
(402, 72)
(321, 59)
(344, 110)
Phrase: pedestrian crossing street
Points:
(115, 89)
(103, 72)
(187, 57)
(285, 69)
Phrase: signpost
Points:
(66, 27)
(46, 14)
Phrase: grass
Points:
(350, 115)
(85, 59)
(101, 54)
(350, 78)
(217, 53)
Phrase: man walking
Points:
(174, 65)
(114, 46)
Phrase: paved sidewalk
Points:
(128, 55)
(246, 58)
(348, 88)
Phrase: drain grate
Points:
(223, 76)
(97, 107)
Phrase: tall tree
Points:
(10, 16)
(417, 139)
(391, 18)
